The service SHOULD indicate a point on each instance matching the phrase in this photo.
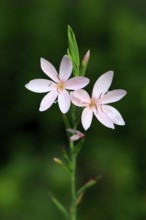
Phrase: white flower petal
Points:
(64, 101)
(48, 100)
(76, 101)
(65, 68)
(80, 98)
(49, 69)
(39, 85)
(102, 84)
(82, 95)
(113, 96)
(86, 118)
(76, 83)
(105, 119)
(114, 114)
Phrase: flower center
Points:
(92, 104)
(60, 86)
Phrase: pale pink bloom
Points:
(97, 104)
(57, 88)
(76, 134)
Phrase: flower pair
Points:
(96, 105)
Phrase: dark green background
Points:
(115, 32)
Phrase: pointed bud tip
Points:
(86, 57)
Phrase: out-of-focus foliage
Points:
(115, 32)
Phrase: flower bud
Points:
(84, 63)
(76, 134)
(86, 58)
(57, 160)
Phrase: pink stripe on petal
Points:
(64, 101)
(86, 118)
(65, 68)
(113, 96)
(48, 100)
(76, 83)
(105, 120)
(39, 85)
(114, 114)
(49, 70)
(102, 84)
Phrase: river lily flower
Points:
(76, 134)
(57, 87)
(98, 104)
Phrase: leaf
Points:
(87, 185)
(58, 204)
(67, 160)
(78, 146)
(66, 121)
(64, 166)
(75, 68)
(73, 49)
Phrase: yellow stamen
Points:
(60, 86)
(92, 104)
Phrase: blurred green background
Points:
(115, 32)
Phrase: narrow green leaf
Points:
(75, 68)
(66, 121)
(87, 185)
(59, 206)
(78, 146)
(67, 160)
(73, 47)
(63, 165)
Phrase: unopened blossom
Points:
(98, 104)
(76, 134)
(86, 58)
(57, 87)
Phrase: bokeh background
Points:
(115, 32)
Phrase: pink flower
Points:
(57, 89)
(76, 134)
(97, 104)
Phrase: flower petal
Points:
(113, 96)
(49, 69)
(76, 83)
(64, 101)
(80, 98)
(65, 68)
(102, 84)
(39, 85)
(48, 100)
(74, 131)
(86, 118)
(105, 119)
(114, 114)
(76, 134)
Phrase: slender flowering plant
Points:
(69, 92)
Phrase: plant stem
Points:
(73, 184)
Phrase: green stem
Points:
(73, 157)
(73, 184)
